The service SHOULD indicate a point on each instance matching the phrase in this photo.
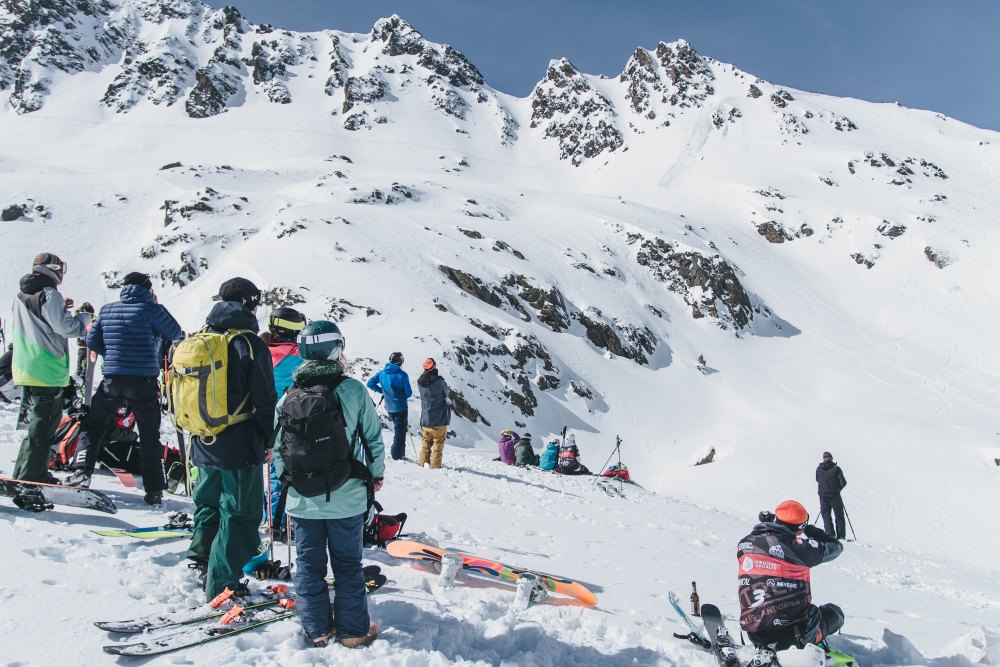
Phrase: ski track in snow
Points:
(630, 550)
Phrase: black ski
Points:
(722, 643)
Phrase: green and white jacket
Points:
(39, 331)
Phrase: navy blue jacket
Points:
(128, 333)
(241, 445)
(393, 383)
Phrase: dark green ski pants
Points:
(228, 507)
(45, 405)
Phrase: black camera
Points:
(766, 517)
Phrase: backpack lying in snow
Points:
(381, 528)
(618, 471)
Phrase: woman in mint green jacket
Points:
(334, 526)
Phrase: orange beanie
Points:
(429, 364)
(792, 512)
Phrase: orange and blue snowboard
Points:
(491, 568)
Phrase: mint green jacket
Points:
(351, 499)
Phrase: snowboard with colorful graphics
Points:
(38, 496)
(490, 568)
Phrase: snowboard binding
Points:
(32, 500)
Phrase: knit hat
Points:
(429, 363)
(827, 456)
(792, 513)
(240, 290)
(138, 278)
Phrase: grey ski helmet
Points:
(396, 358)
(321, 340)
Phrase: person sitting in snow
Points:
(508, 440)
(524, 453)
(774, 592)
(569, 459)
(550, 457)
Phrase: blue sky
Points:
(941, 55)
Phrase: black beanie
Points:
(138, 278)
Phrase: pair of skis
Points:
(236, 615)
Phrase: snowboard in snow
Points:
(722, 643)
(125, 477)
(88, 377)
(71, 496)
(493, 569)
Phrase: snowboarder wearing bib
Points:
(128, 334)
(569, 458)
(774, 560)
(435, 415)
(229, 496)
(40, 327)
(331, 462)
(394, 384)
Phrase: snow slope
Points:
(631, 551)
(568, 258)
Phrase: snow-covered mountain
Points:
(685, 256)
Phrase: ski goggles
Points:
(314, 339)
(287, 324)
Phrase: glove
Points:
(818, 534)
(69, 303)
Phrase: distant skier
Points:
(128, 334)
(550, 457)
(569, 459)
(507, 442)
(394, 384)
(40, 327)
(774, 588)
(435, 414)
(524, 453)
(831, 481)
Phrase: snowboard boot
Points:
(762, 657)
(154, 498)
(200, 569)
(78, 478)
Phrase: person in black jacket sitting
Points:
(831, 481)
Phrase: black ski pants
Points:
(835, 503)
(820, 623)
(140, 394)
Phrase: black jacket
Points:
(434, 407)
(830, 478)
(242, 444)
(774, 564)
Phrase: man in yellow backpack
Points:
(229, 497)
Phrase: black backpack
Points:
(317, 454)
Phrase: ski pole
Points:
(849, 521)
(412, 444)
(618, 444)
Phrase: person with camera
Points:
(775, 593)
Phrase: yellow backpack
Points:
(198, 388)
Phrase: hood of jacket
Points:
(427, 378)
(33, 283)
(773, 527)
(135, 294)
(231, 315)
(826, 465)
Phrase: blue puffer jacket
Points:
(128, 333)
(393, 383)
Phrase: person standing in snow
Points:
(776, 607)
(283, 326)
(550, 456)
(435, 415)
(831, 481)
(524, 453)
(229, 496)
(329, 527)
(394, 384)
(507, 442)
(128, 334)
(40, 328)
